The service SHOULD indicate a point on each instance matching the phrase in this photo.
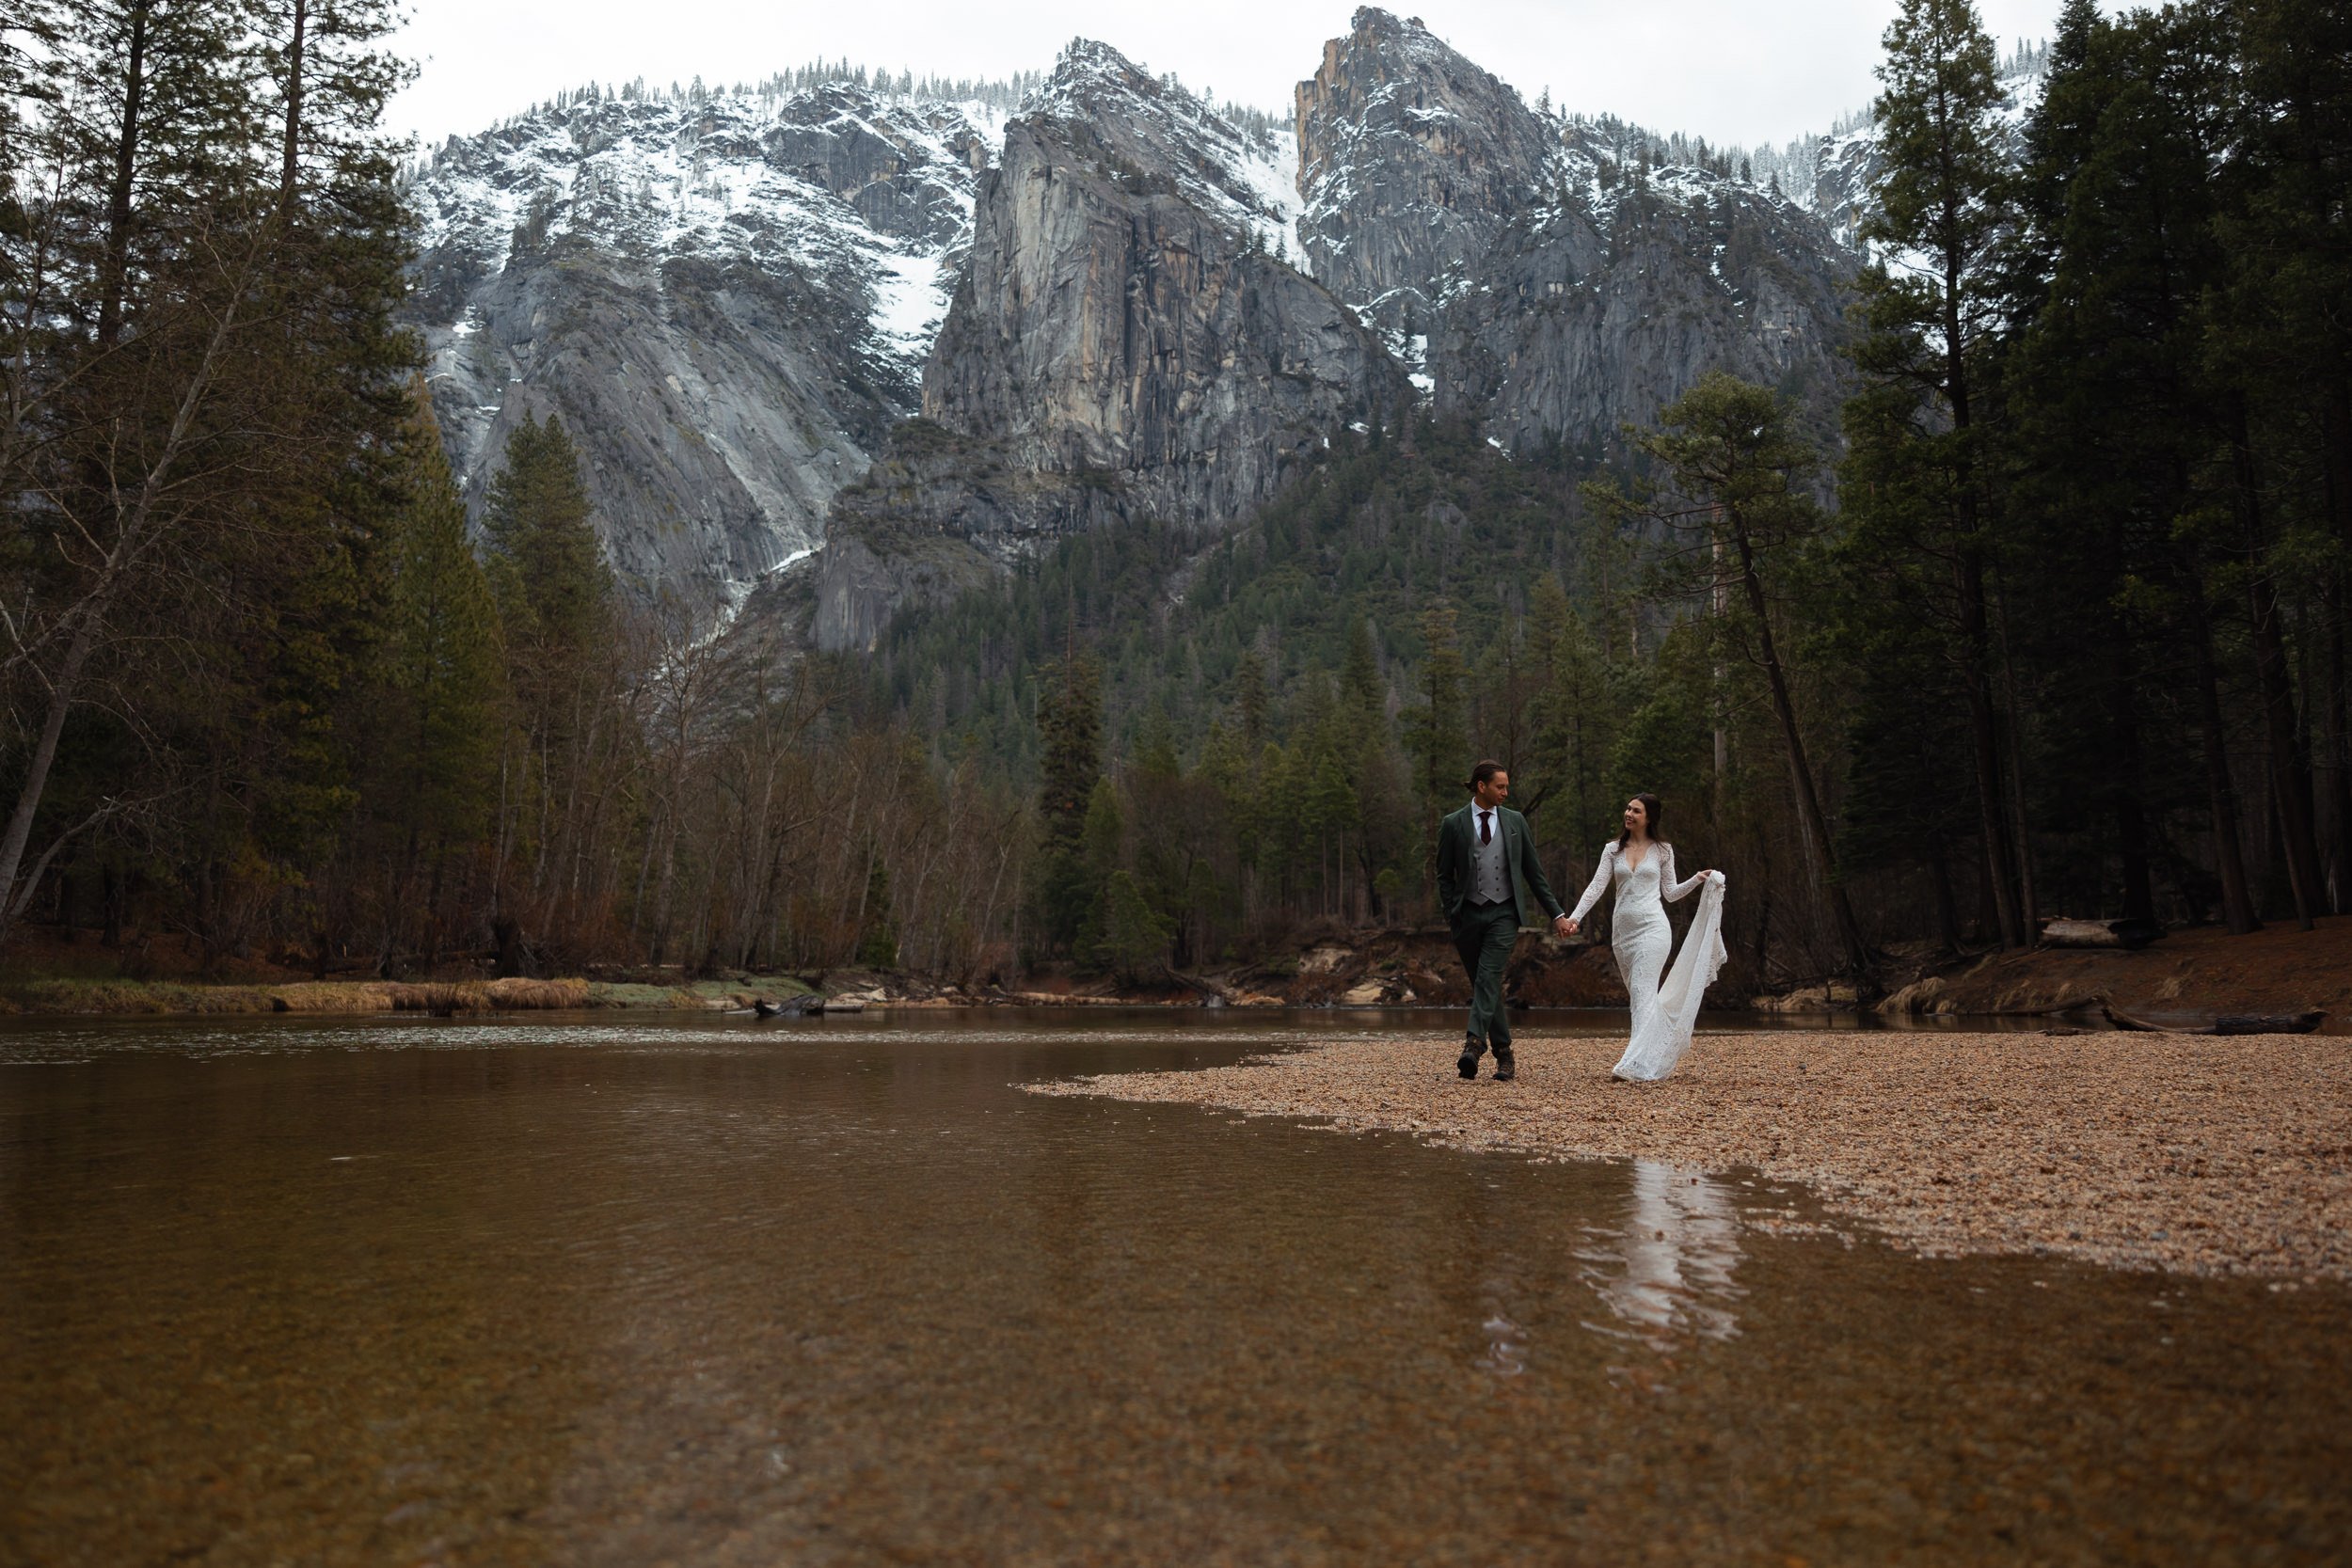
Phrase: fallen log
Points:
(1218, 996)
(2222, 1024)
(2131, 935)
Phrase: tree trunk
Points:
(132, 531)
(1946, 905)
(1985, 750)
(2238, 900)
(289, 177)
(1975, 625)
(65, 688)
(115, 283)
(2290, 784)
(2290, 778)
(2131, 816)
(2335, 824)
(1808, 797)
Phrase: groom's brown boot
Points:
(1505, 1068)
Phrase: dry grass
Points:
(166, 998)
(490, 996)
(2196, 1154)
(333, 996)
(143, 998)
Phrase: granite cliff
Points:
(833, 352)
(1130, 337)
(727, 298)
(1547, 279)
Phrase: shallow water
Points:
(698, 1291)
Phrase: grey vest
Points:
(1490, 877)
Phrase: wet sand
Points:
(2184, 1153)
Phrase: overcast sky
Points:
(1731, 70)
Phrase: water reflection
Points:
(484, 1293)
(1668, 1271)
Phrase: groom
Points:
(1484, 851)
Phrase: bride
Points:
(1641, 868)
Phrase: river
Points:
(701, 1290)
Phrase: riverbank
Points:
(2194, 970)
(2190, 1154)
(67, 997)
(2195, 973)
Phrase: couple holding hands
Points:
(1486, 853)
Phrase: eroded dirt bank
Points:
(2278, 969)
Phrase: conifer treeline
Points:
(2057, 627)
(2072, 638)
(267, 690)
(1004, 94)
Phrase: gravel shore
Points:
(2192, 1154)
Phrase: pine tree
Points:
(570, 753)
(2282, 352)
(172, 148)
(1070, 740)
(1575, 719)
(1737, 476)
(1916, 484)
(1359, 678)
(1437, 718)
(1134, 936)
(877, 938)
(228, 385)
(553, 585)
(1249, 697)
(2110, 418)
(1102, 850)
(443, 672)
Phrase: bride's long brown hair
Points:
(1651, 810)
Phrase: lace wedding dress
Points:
(1664, 1011)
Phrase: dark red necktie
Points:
(1485, 827)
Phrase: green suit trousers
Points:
(1484, 935)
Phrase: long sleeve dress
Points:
(1664, 1004)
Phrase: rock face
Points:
(1847, 164)
(728, 301)
(1412, 161)
(828, 353)
(1599, 312)
(1542, 279)
(1131, 339)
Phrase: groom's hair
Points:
(1482, 771)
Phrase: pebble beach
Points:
(2188, 1154)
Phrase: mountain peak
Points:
(1411, 157)
(1153, 132)
(1087, 74)
(1408, 42)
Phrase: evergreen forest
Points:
(2049, 612)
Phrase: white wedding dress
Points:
(1664, 1011)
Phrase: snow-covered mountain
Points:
(1547, 279)
(1132, 338)
(728, 298)
(1844, 164)
(1108, 300)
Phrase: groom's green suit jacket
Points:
(1456, 836)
